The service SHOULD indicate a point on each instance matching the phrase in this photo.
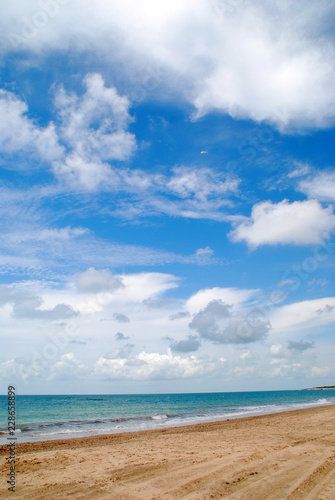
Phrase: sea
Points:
(40, 418)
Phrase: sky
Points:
(166, 195)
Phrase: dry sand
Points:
(287, 455)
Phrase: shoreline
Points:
(25, 438)
(289, 454)
(186, 427)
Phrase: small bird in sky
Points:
(203, 152)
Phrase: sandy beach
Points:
(287, 455)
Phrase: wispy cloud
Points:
(320, 186)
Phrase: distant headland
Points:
(320, 388)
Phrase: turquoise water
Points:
(59, 417)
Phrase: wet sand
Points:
(288, 455)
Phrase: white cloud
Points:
(191, 343)
(201, 252)
(152, 366)
(200, 184)
(265, 61)
(68, 368)
(303, 316)
(326, 309)
(142, 286)
(26, 304)
(199, 193)
(20, 135)
(121, 318)
(243, 370)
(318, 371)
(298, 223)
(287, 370)
(122, 303)
(93, 129)
(179, 315)
(30, 245)
(81, 173)
(142, 358)
(245, 356)
(276, 349)
(96, 122)
(120, 335)
(236, 297)
(300, 345)
(122, 353)
(94, 126)
(50, 236)
(94, 281)
(321, 186)
(217, 323)
(300, 170)
(20, 369)
(132, 199)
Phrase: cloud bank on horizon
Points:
(127, 255)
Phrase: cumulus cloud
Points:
(151, 366)
(81, 173)
(191, 343)
(96, 121)
(68, 368)
(288, 370)
(94, 127)
(252, 59)
(20, 369)
(298, 223)
(121, 318)
(300, 345)
(27, 305)
(90, 131)
(216, 323)
(28, 309)
(121, 336)
(31, 140)
(95, 281)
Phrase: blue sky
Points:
(167, 195)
